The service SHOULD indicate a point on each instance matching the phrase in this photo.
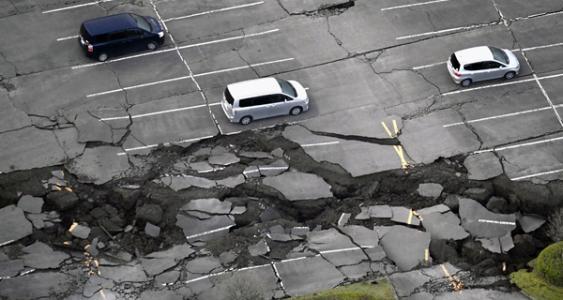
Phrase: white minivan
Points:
(255, 99)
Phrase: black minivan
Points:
(118, 34)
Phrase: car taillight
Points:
(90, 49)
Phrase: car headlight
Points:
(161, 34)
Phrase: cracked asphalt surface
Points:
(385, 117)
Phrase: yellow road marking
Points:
(457, 285)
(410, 217)
(426, 255)
(395, 127)
(398, 148)
(387, 129)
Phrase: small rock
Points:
(31, 204)
(79, 231)
(530, 223)
(62, 200)
(14, 224)
(278, 152)
(152, 230)
(404, 215)
(223, 159)
(452, 201)
(430, 190)
(343, 220)
(228, 257)
(260, 248)
(150, 213)
(238, 210)
(300, 231)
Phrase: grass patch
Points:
(357, 291)
(535, 286)
(549, 264)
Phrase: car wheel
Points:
(102, 57)
(295, 111)
(466, 82)
(245, 120)
(151, 46)
(509, 75)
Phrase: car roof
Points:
(473, 55)
(109, 24)
(254, 88)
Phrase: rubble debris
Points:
(149, 212)
(404, 215)
(41, 256)
(406, 247)
(444, 226)
(62, 200)
(15, 225)
(343, 220)
(530, 223)
(482, 166)
(299, 186)
(501, 244)
(223, 159)
(37, 285)
(30, 204)
(430, 190)
(199, 229)
(152, 230)
(258, 249)
(374, 211)
(255, 154)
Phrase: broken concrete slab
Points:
(41, 256)
(178, 252)
(202, 265)
(178, 183)
(375, 211)
(482, 166)
(231, 182)
(255, 154)
(166, 278)
(199, 229)
(124, 273)
(99, 165)
(223, 159)
(430, 190)
(406, 283)
(343, 220)
(209, 206)
(346, 258)
(94, 284)
(12, 218)
(530, 223)
(482, 223)
(309, 275)
(444, 226)
(238, 210)
(251, 172)
(10, 268)
(277, 167)
(201, 167)
(406, 247)
(299, 186)
(498, 245)
(440, 208)
(361, 235)
(258, 249)
(329, 239)
(37, 285)
(404, 215)
(155, 266)
(31, 204)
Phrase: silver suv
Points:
(250, 100)
(482, 63)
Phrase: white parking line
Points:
(185, 77)
(209, 232)
(497, 149)
(164, 144)
(238, 37)
(153, 113)
(429, 65)
(70, 37)
(75, 6)
(496, 222)
(412, 5)
(404, 37)
(548, 100)
(542, 47)
(502, 116)
(320, 144)
(214, 11)
(488, 86)
(537, 174)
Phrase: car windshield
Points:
(287, 88)
(141, 22)
(454, 61)
(499, 55)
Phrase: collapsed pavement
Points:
(256, 212)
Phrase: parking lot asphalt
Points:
(363, 65)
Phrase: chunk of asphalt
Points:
(296, 186)
(201, 266)
(343, 220)
(152, 230)
(498, 245)
(251, 172)
(41, 256)
(15, 225)
(406, 283)
(177, 252)
(228, 257)
(277, 167)
(155, 266)
(223, 159)
(31, 204)
(125, 273)
(375, 211)
(238, 210)
(361, 235)
(231, 182)
(404, 215)
(79, 231)
(195, 229)
(430, 190)
(38, 220)
(444, 226)
(300, 231)
(440, 208)
(482, 166)
(258, 249)
(201, 167)
(10, 268)
(329, 239)
(94, 284)
(530, 223)
(212, 206)
(482, 223)
(178, 183)
(166, 278)
(346, 258)
(37, 285)
(406, 247)
(255, 154)
(309, 275)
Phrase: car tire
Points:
(151, 46)
(295, 110)
(466, 82)
(102, 57)
(245, 120)
(509, 75)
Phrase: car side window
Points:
(277, 98)
(119, 35)
(102, 38)
(493, 65)
(262, 100)
(135, 33)
(246, 102)
(475, 66)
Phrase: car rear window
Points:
(499, 55)
(228, 96)
(454, 61)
